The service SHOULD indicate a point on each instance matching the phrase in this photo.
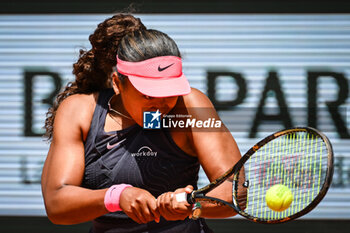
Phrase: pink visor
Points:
(156, 77)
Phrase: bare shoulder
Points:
(197, 99)
(77, 103)
(75, 112)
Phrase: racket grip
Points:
(184, 197)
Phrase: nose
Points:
(158, 103)
(156, 100)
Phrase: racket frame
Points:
(200, 194)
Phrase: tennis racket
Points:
(299, 158)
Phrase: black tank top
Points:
(148, 159)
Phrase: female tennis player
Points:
(102, 164)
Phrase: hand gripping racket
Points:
(299, 158)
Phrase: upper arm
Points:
(216, 149)
(64, 164)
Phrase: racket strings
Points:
(297, 160)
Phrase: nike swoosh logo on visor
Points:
(109, 146)
(164, 68)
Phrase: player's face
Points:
(136, 103)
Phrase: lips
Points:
(162, 110)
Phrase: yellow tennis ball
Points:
(279, 197)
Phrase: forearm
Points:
(211, 210)
(72, 204)
(215, 211)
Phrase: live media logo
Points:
(151, 120)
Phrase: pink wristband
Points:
(112, 197)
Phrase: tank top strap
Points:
(98, 119)
(102, 107)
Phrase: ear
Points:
(117, 85)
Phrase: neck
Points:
(116, 107)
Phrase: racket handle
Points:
(181, 197)
(184, 197)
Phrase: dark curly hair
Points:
(122, 35)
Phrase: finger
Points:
(181, 199)
(152, 206)
(138, 212)
(130, 211)
(165, 205)
(170, 203)
(164, 202)
(150, 211)
(189, 189)
(160, 204)
(179, 207)
(159, 200)
(147, 214)
(135, 218)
